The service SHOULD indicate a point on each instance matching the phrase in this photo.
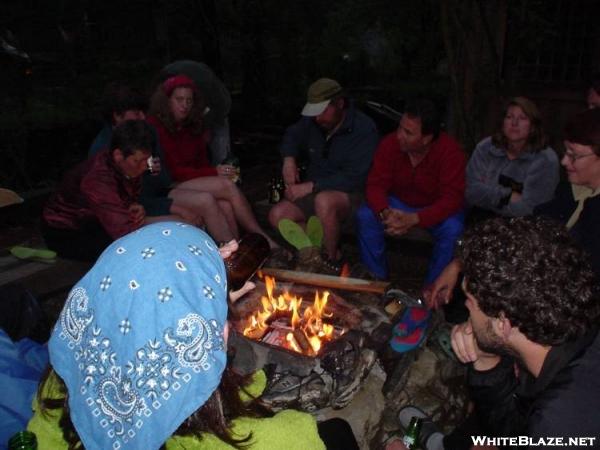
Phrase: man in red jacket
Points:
(97, 201)
(417, 179)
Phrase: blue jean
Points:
(371, 240)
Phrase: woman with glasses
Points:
(577, 203)
(513, 171)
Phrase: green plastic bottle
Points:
(23, 440)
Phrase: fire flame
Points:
(308, 329)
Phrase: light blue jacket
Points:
(538, 172)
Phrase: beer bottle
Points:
(274, 193)
(411, 437)
(253, 250)
(23, 440)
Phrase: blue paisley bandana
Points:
(139, 342)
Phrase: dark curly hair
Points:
(529, 269)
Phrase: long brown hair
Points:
(159, 107)
(537, 140)
(215, 416)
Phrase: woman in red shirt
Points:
(176, 112)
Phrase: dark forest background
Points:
(469, 55)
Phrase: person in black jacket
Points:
(531, 340)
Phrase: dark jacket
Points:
(563, 401)
(94, 191)
(587, 229)
(340, 163)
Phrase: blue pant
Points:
(371, 240)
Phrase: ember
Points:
(285, 322)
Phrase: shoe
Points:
(35, 254)
(403, 344)
(294, 234)
(430, 437)
(331, 267)
(314, 230)
(412, 319)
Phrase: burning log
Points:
(302, 341)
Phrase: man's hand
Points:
(397, 222)
(395, 444)
(440, 291)
(290, 171)
(466, 349)
(137, 214)
(295, 191)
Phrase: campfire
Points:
(315, 346)
(288, 321)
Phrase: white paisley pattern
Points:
(134, 337)
(121, 399)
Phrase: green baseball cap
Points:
(319, 95)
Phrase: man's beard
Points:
(490, 342)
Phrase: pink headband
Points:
(170, 84)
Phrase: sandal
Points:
(430, 437)
(314, 230)
(403, 344)
(294, 234)
(36, 254)
(412, 319)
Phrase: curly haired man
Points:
(531, 339)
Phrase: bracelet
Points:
(381, 213)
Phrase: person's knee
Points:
(276, 213)
(204, 202)
(230, 188)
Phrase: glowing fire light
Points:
(309, 330)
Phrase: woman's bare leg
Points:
(204, 206)
(224, 189)
(227, 210)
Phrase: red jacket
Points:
(94, 190)
(185, 152)
(436, 184)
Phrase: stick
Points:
(327, 281)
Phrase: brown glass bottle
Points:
(241, 265)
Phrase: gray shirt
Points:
(538, 172)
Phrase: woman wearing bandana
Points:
(138, 357)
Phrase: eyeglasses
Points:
(574, 157)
